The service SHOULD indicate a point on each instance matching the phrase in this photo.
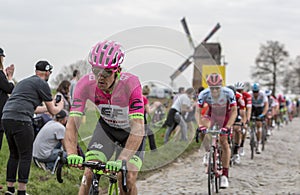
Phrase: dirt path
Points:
(275, 171)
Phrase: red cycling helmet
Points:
(214, 79)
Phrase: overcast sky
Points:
(63, 32)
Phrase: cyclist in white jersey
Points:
(259, 109)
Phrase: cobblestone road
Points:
(275, 171)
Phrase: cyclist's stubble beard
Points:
(215, 94)
(106, 84)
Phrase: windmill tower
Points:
(204, 54)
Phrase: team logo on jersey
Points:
(136, 104)
(76, 103)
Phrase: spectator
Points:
(76, 76)
(148, 110)
(180, 91)
(50, 139)
(182, 104)
(17, 122)
(6, 87)
(63, 89)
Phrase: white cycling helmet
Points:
(239, 85)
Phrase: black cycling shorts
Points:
(106, 139)
(256, 111)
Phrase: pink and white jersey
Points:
(116, 109)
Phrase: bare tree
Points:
(66, 72)
(270, 63)
(291, 81)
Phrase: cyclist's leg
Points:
(104, 147)
(133, 166)
(225, 153)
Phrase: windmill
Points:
(204, 53)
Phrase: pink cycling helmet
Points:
(106, 54)
(214, 79)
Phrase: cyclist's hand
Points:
(224, 131)
(114, 165)
(74, 160)
(261, 116)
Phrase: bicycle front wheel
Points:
(252, 142)
(210, 171)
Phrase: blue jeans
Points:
(54, 155)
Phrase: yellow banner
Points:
(208, 69)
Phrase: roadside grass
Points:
(43, 182)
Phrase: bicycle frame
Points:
(215, 164)
(99, 170)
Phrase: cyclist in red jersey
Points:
(118, 97)
(239, 86)
(239, 121)
(222, 112)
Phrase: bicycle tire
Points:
(210, 172)
(219, 169)
(264, 137)
(252, 142)
(94, 188)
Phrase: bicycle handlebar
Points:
(100, 166)
(61, 162)
(93, 165)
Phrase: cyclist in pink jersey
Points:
(222, 111)
(118, 97)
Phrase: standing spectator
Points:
(63, 89)
(6, 87)
(148, 110)
(181, 105)
(17, 123)
(76, 76)
(50, 139)
(180, 91)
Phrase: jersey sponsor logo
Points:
(231, 99)
(200, 101)
(96, 145)
(106, 111)
(136, 104)
(77, 103)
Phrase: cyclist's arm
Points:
(233, 115)
(249, 110)
(200, 117)
(134, 140)
(71, 134)
(243, 115)
(266, 108)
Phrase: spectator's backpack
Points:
(39, 121)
